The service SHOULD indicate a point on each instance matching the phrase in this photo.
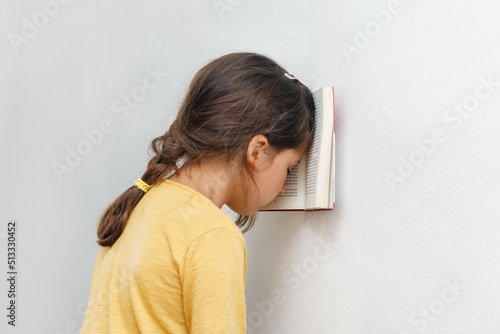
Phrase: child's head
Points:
(231, 100)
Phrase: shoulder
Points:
(184, 213)
(220, 251)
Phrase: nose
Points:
(282, 191)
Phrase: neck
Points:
(211, 178)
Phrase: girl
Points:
(171, 261)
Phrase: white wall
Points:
(416, 254)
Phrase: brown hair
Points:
(229, 101)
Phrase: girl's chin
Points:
(266, 205)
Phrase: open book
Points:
(311, 184)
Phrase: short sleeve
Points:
(213, 273)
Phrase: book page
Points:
(313, 154)
(319, 172)
(331, 199)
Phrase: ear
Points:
(257, 150)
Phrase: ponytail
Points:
(115, 217)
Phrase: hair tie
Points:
(290, 76)
(142, 185)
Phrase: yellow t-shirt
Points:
(178, 267)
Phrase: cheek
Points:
(279, 182)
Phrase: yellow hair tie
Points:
(142, 185)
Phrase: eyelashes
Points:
(288, 171)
